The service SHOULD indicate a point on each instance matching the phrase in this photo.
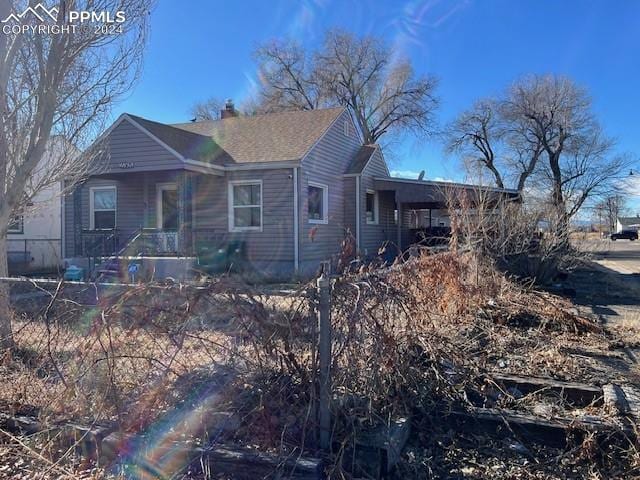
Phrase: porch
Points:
(422, 205)
(136, 214)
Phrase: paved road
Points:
(611, 289)
(621, 256)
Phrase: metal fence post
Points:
(324, 348)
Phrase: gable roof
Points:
(361, 159)
(629, 220)
(187, 144)
(276, 137)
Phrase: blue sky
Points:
(200, 48)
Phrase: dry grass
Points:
(413, 339)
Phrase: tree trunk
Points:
(6, 336)
(496, 175)
(563, 220)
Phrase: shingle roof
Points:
(361, 159)
(189, 145)
(262, 138)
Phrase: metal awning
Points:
(427, 194)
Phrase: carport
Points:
(431, 195)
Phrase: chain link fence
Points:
(28, 256)
(219, 363)
(319, 371)
(95, 348)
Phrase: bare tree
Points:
(207, 109)
(477, 134)
(542, 137)
(609, 209)
(580, 162)
(383, 92)
(524, 148)
(491, 136)
(61, 84)
(288, 79)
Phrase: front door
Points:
(167, 205)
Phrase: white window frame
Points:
(160, 187)
(376, 207)
(231, 208)
(325, 204)
(92, 210)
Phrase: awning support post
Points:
(399, 224)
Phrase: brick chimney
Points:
(229, 110)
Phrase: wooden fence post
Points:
(324, 350)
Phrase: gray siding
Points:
(134, 163)
(373, 236)
(136, 203)
(349, 185)
(128, 146)
(270, 250)
(326, 164)
(376, 167)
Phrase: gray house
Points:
(286, 188)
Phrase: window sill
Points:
(372, 223)
(245, 229)
(318, 222)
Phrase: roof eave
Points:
(445, 184)
(220, 169)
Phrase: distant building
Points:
(628, 223)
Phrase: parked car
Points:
(625, 234)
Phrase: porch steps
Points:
(110, 269)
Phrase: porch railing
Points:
(107, 243)
(151, 241)
(157, 242)
(100, 243)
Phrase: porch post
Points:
(185, 213)
(145, 201)
(399, 232)
(77, 220)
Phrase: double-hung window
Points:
(245, 205)
(102, 203)
(372, 205)
(318, 201)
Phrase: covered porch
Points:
(136, 213)
(422, 205)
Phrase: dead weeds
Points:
(416, 340)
